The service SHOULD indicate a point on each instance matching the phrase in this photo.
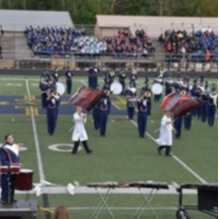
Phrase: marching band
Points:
(140, 101)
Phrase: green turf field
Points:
(122, 156)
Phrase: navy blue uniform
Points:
(196, 92)
(133, 79)
(211, 110)
(69, 75)
(158, 80)
(44, 89)
(144, 90)
(142, 117)
(93, 78)
(96, 117)
(103, 111)
(131, 95)
(52, 113)
(178, 122)
(188, 121)
(122, 77)
(168, 85)
(8, 158)
(56, 76)
(204, 107)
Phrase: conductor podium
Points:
(23, 181)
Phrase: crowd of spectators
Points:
(199, 45)
(125, 44)
(57, 41)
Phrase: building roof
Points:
(17, 20)
(153, 24)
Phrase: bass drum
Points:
(157, 89)
(116, 88)
(60, 88)
(24, 180)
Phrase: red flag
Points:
(87, 98)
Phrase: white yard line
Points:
(83, 82)
(83, 190)
(177, 159)
(36, 139)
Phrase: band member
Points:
(204, 106)
(131, 94)
(79, 133)
(158, 80)
(146, 90)
(122, 77)
(142, 116)
(104, 107)
(188, 120)
(168, 85)
(56, 75)
(93, 77)
(178, 122)
(53, 102)
(111, 77)
(133, 78)
(9, 153)
(96, 117)
(212, 107)
(69, 75)
(165, 140)
(44, 89)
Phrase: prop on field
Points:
(116, 88)
(157, 89)
(60, 88)
(86, 98)
(179, 104)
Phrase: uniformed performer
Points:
(212, 106)
(79, 133)
(165, 140)
(196, 93)
(122, 77)
(168, 86)
(131, 94)
(158, 80)
(96, 117)
(44, 86)
(204, 106)
(178, 123)
(104, 108)
(133, 78)
(56, 75)
(53, 102)
(9, 153)
(146, 90)
(142, 115)
(69, 76)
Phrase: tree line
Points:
(84, 11)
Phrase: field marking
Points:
(176, 158)
(116, 208)
(36, 139)
(83, 190)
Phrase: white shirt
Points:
(79, 132)
(14, 148)
(166, 136)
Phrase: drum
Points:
(12, 169)
(116, 88)
(157, 89)
(24, 180)
(60, 88)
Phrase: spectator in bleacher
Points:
(200, 46)
(63, 41)
(125, 44)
